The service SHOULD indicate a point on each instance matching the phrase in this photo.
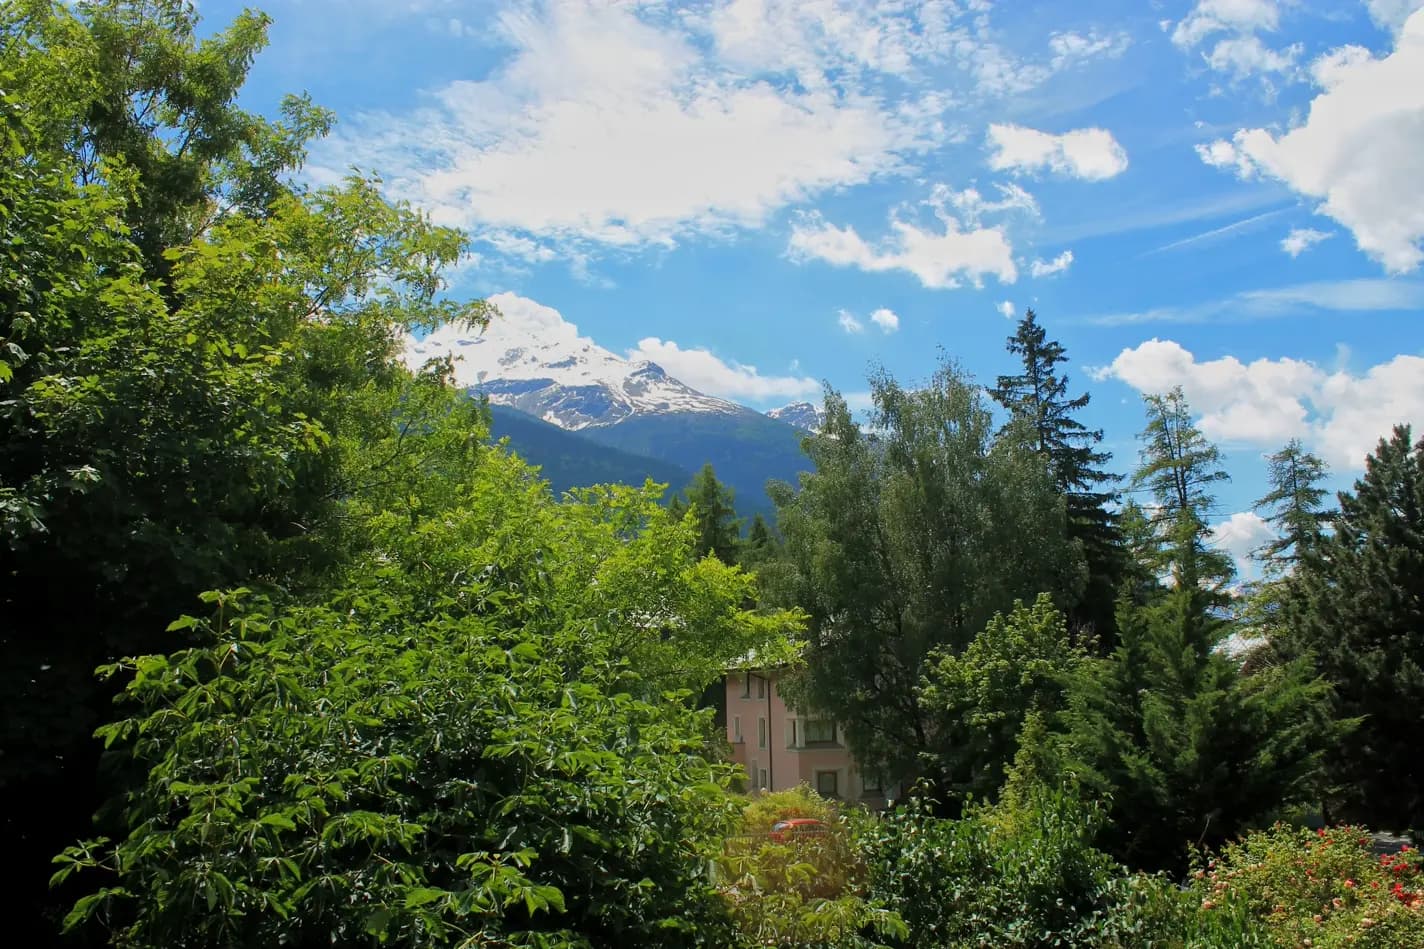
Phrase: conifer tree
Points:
(1178, 468)
(1188, 748)
(759, 544)
(1355, 606)
(1038, 395)
(718, 530)
(1293, 506)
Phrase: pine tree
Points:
(718, 530)
(1293, 506)
(1355, 606)
(1039, 396)
(759, 544)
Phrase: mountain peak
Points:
(531, 359)
(802, 415)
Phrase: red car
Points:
(795, 828)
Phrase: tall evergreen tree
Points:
(759, 544)
(718, 530)
(1179, 467)
(908, 540)
(1188, 748)
(1038, 396)
(1355, 606)
(1294, 506)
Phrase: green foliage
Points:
(437, 753)
(907, 540)
(1355, 607)
(1325, 888)
(978, 700)
(1038, 397)
(807, 891)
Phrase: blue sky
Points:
(761, 195)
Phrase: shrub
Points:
(807, 891)
(1321, 888)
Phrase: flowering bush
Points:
(1321, 888)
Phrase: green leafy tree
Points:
(909, 538)
(1355, 608)
(469, 739)
(196, 358)
(1038, 397)
(979, 699)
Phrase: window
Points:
(736, 728)
(820, 731)
(826, 783)
(761, 733)
(747, 686)
(761, 687)
(763, 778)
(871, 784)
(791, 728)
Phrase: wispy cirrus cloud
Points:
(1340, 296)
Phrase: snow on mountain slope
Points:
(802, 415)
(531, 359)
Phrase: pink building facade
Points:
(781, 747)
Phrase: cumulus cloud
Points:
(1240, 535)
(1006, 309)
(1302, 239)
(1342, 415)
(886, 319)
(1356, 151)
(847, 321)
(1229, 32)
(705, 371)
(1392, 14)
(1047, 268)
(943, 253)
(1091, 154)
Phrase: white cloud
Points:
(1301, 239)
(1069, 47)
(1327, 296)
(609, 126)
(1392, 14)
(942, 254)
(1356, 152)
(1092, 154)
(1209, 17)
(886, 319)
(1006, 309)
(1239, 535)
(1342, 415)
(706, 372)
(1232, 26)
(1243, 56)
(847, 321)
(1047, 268)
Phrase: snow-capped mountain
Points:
(802, 415)
(532, 360)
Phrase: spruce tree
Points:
(1178, 468)
(759, 544)
(718, 530)
(1355, 607)
(1188, 748)
(1293, 506)
(1038, 395)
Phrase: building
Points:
(781, 747)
